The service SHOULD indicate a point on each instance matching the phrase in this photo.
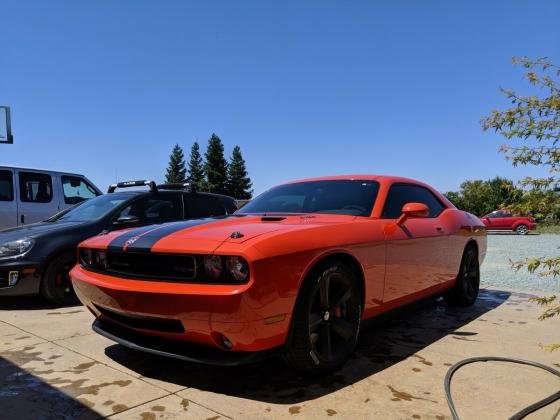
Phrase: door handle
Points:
(439, 228)
(22, 219)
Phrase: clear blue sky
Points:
(304, 87)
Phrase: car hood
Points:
(37, 230)
(205, 235)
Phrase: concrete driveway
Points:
(53, 366)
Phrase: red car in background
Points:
(504, 220)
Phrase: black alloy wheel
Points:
(56, 285)
(465, 290)
(326, 320)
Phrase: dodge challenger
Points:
(294, 271)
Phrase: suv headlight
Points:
(16, 248)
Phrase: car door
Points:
(37, 196)
(8, 200)
(417, 249)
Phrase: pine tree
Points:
(196, 168)
(238, 182)
(176, 171)
(215, 166)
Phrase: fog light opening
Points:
(13, 278)
(225, 342)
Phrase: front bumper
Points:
(28, 278)
(195, 314)
(176, 349)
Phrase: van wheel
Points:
(465, 290)
(326, 320)
(56, 286)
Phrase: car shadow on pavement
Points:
(25, 395)
(31, 302)
(383, 343)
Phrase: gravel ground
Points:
(496, 270)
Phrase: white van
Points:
(32, 195)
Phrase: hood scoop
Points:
(272, 218)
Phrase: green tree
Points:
(238, 182)
(215, 166)
(196, 168)
(176, 171)
(531, 126)
(481, 197)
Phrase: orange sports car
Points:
(295, 270)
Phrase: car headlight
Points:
(213, 266)
(226, 269)
(16, 248)
(238, 268)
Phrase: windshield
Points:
(92, 209)
(350, 197)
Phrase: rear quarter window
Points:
(6, 186)
(201, 205)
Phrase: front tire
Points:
(56, 286)
(326, 320)
(465, 290)
(522, 230)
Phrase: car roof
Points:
(367, 177)
(41, 170)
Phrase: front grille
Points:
(4, 278)
(153, 266)
(143, 322)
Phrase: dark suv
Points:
(36, 258)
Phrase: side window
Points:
(201, 205)
(155, 209)
(35, 187)
(400, 194)
(496, 214)
(76, 189)
(6, 186)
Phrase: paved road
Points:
(53, 366)
(497, 272)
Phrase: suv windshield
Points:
(92, 209)
(350, 197)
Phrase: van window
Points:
(76, 189)
(6, 186)
(35, 187)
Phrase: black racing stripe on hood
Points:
(119, 242)
(142, 240)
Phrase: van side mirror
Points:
(5, 126)
(413, 210)
(126, 222)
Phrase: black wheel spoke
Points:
(343, 328)
(325, 341)
(314, 321)
(324, 292)
(342, 299)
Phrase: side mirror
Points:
(410, 210)
(125, 222)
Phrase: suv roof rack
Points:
(127, 184)
(185, 186)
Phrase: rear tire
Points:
(522, 230)
(56, 286)
(465, 290)
(325, 321)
